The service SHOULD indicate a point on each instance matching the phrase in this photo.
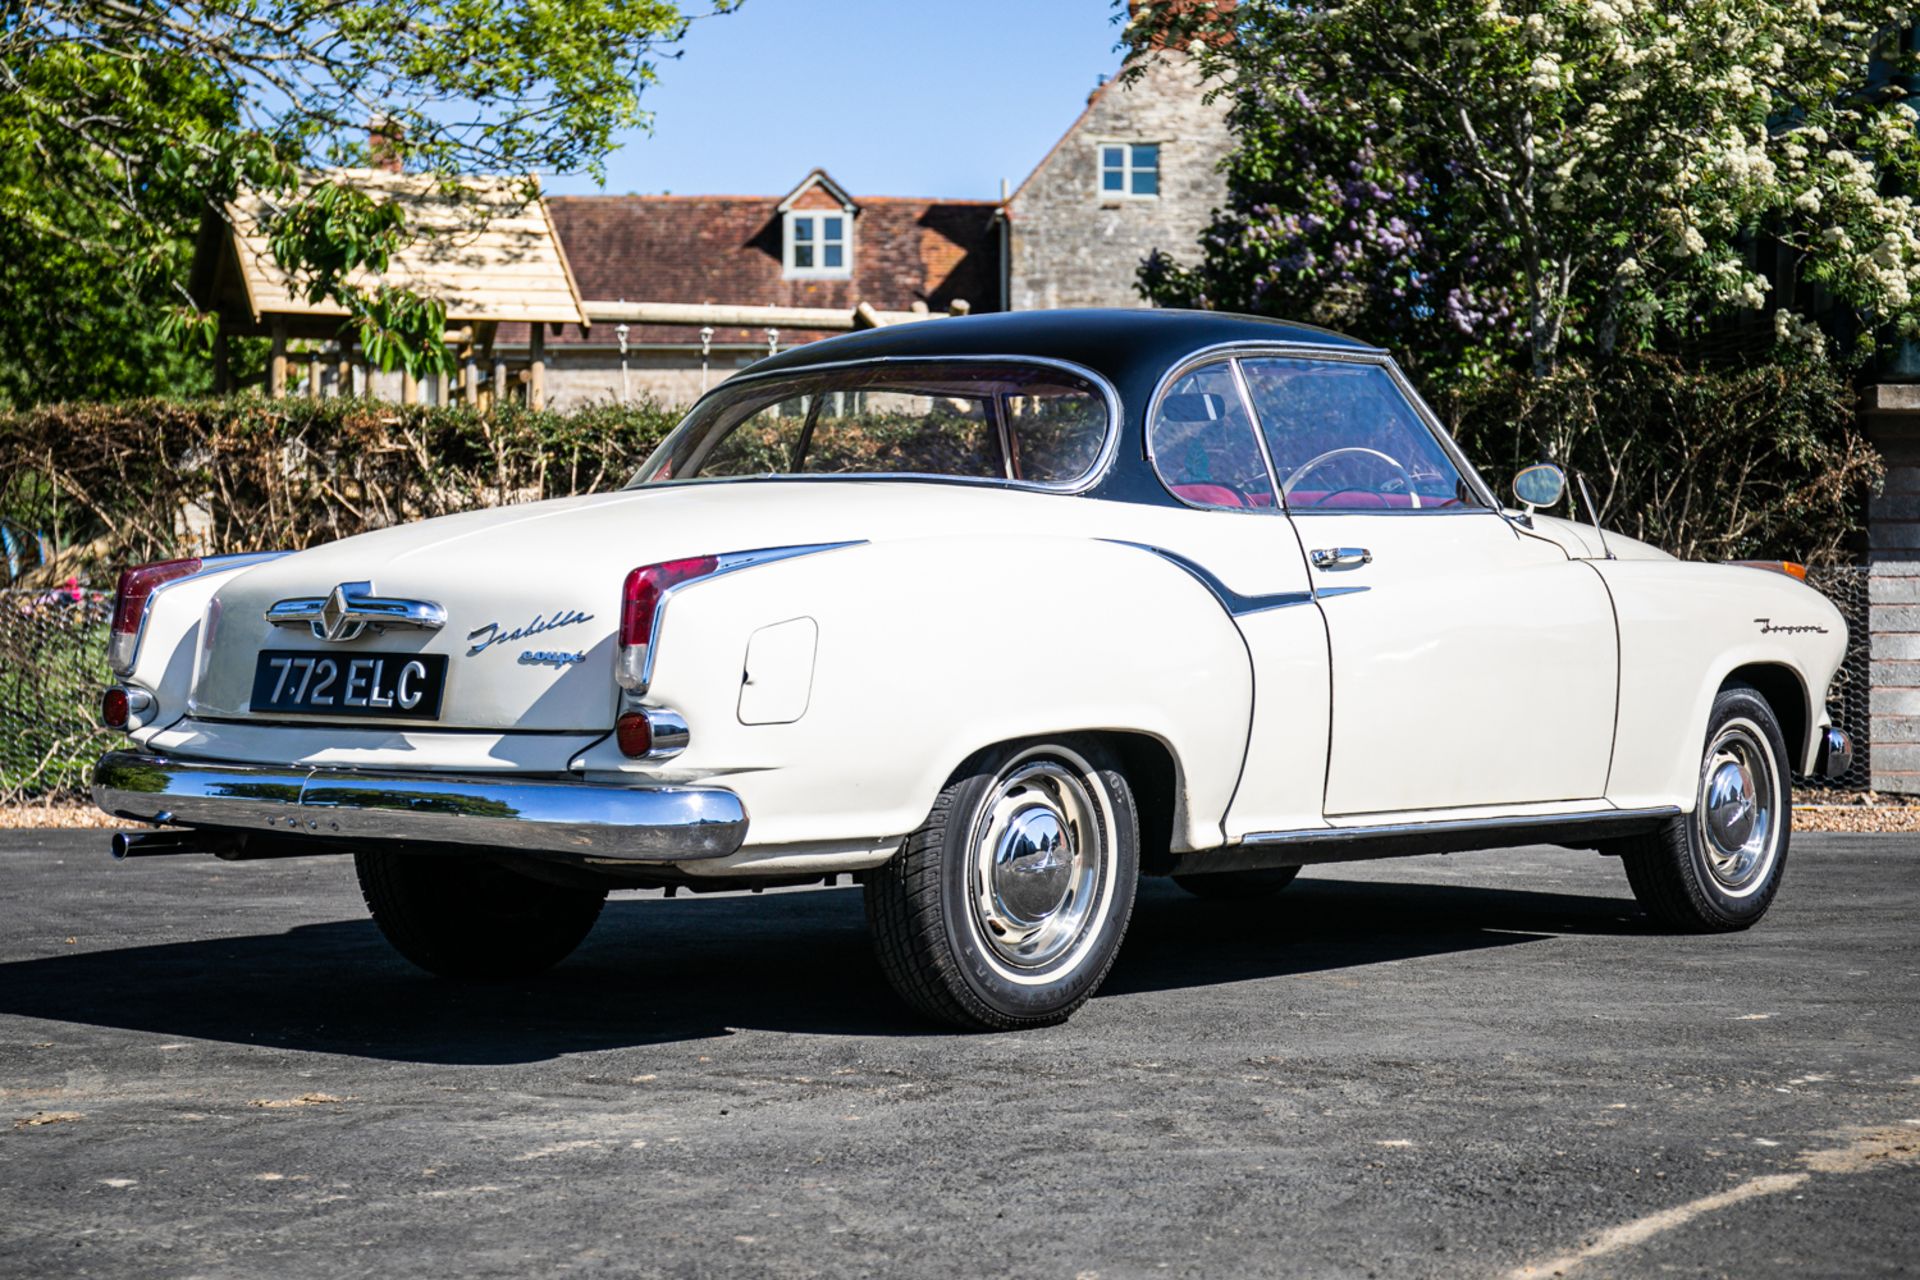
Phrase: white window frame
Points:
(1128, 169)
(817, 271)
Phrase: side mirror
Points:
(1541, 485)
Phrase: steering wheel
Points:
(1311, 465)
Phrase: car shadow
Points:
(659, 971)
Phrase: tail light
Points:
(641, 604)
(651, 733)
(130, 606)
(114, 712)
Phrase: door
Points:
(1472, 664)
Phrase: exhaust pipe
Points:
(156, 844)
(228, 846)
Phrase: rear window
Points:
(980, 420)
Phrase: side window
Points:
(1203, 445)
(1344, 438)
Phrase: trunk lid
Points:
(531, 593)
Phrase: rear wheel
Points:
(471, 919)
(1717, 869)
(1238, 886)
(1006, 908)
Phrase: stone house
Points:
(672, 282)
(1138, 171)
(1891, 412)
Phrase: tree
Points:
(120, 122)
(1514, 182)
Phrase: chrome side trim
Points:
(1232, 601)
(1407, 839)
(1102, 462)
(587, 820)
(1336, 835)
(633, 665)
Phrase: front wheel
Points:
(1717, 869)
(1006, 908)
(470, 919)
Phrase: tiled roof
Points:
(726, 250)
(494, 257)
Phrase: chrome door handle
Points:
(1340, 557)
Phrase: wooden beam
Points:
(696, 314)
(409, 386)
(222, 359)
(537, 369)
(277, 363)
(313, 375)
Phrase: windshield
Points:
(982, 420)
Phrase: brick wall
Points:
(1893, 536)
(1070, 245)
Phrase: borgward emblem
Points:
(332, 623)
(346, 612)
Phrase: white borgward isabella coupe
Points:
(998, 615)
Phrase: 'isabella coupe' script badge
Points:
(483, 638)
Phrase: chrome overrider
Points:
(537, 816)
(1836, 754)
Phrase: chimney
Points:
(384, 138)
(1176, 18)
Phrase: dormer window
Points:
(1129, 169)
(816, 230)
(818, 243)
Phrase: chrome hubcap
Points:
(1037, 867)
(1738, 792)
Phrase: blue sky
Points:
(892, 97)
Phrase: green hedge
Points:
(117, 484)
(1760, 459)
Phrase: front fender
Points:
(928, 650)
(1684, 629)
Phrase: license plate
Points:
(388, 685)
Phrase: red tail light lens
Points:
(130, 605)
(138, 585)
(633, 733)
(640, 605)
(641, 599)
(114, 709)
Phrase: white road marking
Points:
(1870, 1149)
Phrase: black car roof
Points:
(1118, 343)
(1131, 349)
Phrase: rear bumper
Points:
(622, 824)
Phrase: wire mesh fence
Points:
(53, 666)
(1849, 697)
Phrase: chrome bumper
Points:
(625, 824)
(1836, 754)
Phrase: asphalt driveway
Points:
(1442, 1067)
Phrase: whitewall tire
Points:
(1007, 907)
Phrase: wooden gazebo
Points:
(491, 256)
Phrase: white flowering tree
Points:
(1518, 182)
